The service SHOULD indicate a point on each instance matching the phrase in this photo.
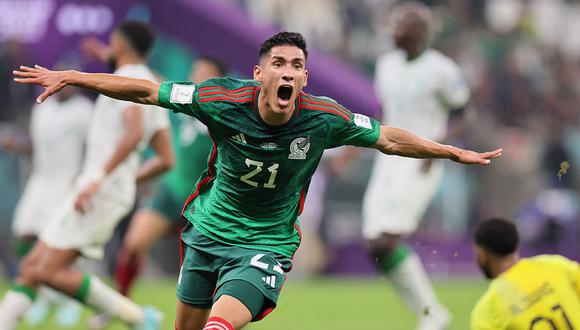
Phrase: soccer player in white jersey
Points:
(420, 90)
(103, 194)
(57, 130)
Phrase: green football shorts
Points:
(164, 203)
(207, 267)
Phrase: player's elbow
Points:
(167, 162)
(387, 147)
(134, 135)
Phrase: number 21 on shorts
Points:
(270, 280)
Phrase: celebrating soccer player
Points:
(541, 292)
(268, 137)
(105, 191)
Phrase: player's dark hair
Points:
(139, 35)
(282, 39)
(219, 64)
(498, 236)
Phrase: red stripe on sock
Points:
(217, 323)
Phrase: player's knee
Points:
(383, 246)
(44, 272)
(189, 317)
(41, 274)
(132, 250)
(186, 324)
(135, 244)
(28, 275)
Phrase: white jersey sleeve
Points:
(453, 89)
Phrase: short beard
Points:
(485, 270)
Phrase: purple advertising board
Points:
(50, 28)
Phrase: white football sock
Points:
(108, 301)
(413, 285)
(55, 297)
(49, 294)
(12, 307)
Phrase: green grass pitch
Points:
(338, 304)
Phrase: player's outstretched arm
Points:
(117, 87)
(396, 141)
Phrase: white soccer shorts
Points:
(37, 205)
(87, 233)
(398, 195)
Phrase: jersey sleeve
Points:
(207, 100)
(181, 97)
(353, 129)
(453, 89)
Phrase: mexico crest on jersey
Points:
(299, 147)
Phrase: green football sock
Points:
(400, 253)
(83, 291)
(28, 291)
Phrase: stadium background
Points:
(522, 62)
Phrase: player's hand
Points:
(472, 157)
(95, 49)
(52, 81)
(83, 203)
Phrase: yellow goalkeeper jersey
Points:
(538, 293)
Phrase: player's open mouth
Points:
(284, 94)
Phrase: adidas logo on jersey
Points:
(240, 138)
(271, 280)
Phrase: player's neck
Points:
(414, 52)
(504, 264)
(129, 59)
(269, 116)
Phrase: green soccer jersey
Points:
(258, 175)
(192, 146)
